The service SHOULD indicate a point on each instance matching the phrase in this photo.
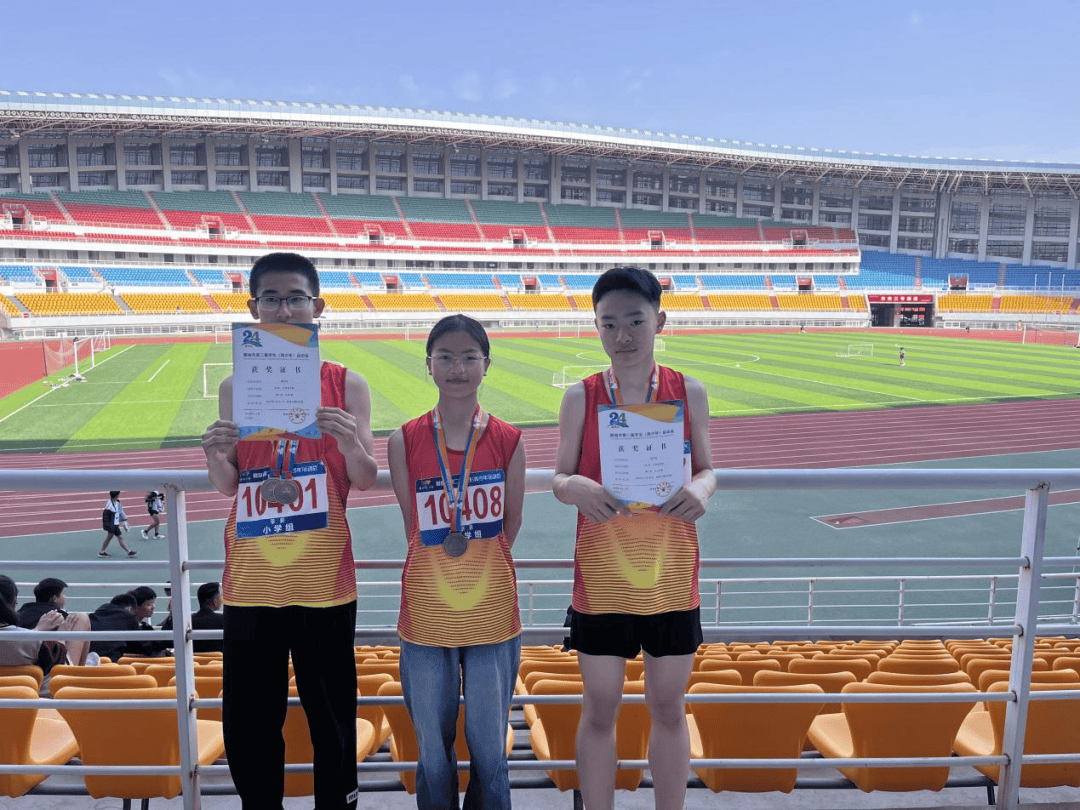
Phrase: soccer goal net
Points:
(81, 353)
(212, 375)
(572, 374)
(857, 350)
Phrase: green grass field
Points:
(151, 395)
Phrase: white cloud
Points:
(506, 87)
(407, 82)
(466, 86)
(186, 81)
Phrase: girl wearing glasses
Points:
(459, 478)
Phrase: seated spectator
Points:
(117, 614)
(46, 654)
(145, 605)
(208, 617)
(49, 594)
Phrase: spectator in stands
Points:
(117, 614)
(49, 594)
(114, 521)
(145, 605)
(155, 505)
(459, 624)
(297, 594)
(207, 617)
(617, 610)
(45, 654)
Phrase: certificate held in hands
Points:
(276, 380)
(642, 452)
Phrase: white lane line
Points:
(158, 371)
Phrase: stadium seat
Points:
(30, 738)
(33, 670)
(58, 682)
(368, 686)
(298, 748)
(134, 737)
(1053, 727)
(750, 731)
(403, 746)
(866, 730)
(859, 667)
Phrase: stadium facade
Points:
(984, 210)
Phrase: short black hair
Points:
(48, 588)
(124, 600)
(9, 595)
(630, 279)
(459, 323)
(142, 594)
(114, 494)
(282, 263)
(207, 593)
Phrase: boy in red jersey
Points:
(635, 575)
(292, 592)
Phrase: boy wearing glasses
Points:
(292, 592)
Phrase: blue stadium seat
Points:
(145, 276)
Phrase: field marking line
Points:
(128, 402)
(879, 406)
(839, 385)
(31, 402)
(158, 371)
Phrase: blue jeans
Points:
(431, 680)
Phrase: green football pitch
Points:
(142, 396)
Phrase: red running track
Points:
(816, 440)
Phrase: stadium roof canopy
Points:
(89, 114)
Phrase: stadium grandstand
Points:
(126, 209)
(140, 215)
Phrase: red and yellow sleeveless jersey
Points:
(643, 563)
(472, 599)
(299, 554)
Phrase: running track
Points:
(817, 440)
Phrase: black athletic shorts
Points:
(626, 634)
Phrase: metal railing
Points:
(1022, 626)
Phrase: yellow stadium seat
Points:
(134, 737)
(866, 730)
(1053, 727)
(31, 738)
(750, 731)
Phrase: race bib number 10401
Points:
(255, 517)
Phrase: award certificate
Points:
(642, 452)
(276, 380)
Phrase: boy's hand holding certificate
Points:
(276, 380)
(642, 452)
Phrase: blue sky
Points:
(952, 79)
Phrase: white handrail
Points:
(1036, 482)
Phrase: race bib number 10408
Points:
(481, 508)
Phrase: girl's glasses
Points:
(447, 360)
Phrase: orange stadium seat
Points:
(465, 302)
(680, 302)
(743, 302)
(964, 302)
(165, 303)
(231, 302)
(539, 301)
(396, 302)
(8, 308)
(345, 302)
(48, 305)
